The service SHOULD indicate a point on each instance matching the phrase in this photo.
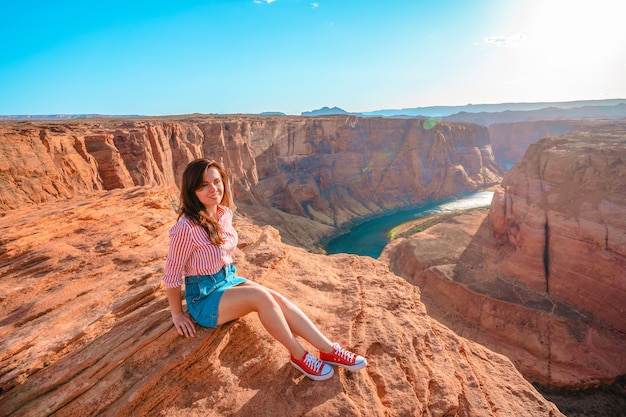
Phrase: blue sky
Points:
(250, 56)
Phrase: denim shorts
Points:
(203, 294)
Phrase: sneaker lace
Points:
(344, 354)
(312, 362)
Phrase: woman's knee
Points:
(264, 298)
(277, 296)
(267, 298)
(282, 300)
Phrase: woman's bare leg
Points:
(243, 299)
(298, 322)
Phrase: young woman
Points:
(201, 246)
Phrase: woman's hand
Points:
(182, 321)
(184, 324)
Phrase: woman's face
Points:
(211, 190)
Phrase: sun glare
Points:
(565, 48)
(580, 33)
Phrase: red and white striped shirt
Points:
(192, 253)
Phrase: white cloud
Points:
(315, 5)
(504, 41)
(264, 1)
(515, 81)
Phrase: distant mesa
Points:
(481, 114)
(327, 111)
(599, 110)
(443, 111)
(488, 114)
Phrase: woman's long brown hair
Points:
(190, 205)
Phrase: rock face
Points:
(339, 168)
(86, 330)
(542, 279)
(319, 173)
(511, 140)
(565, 205)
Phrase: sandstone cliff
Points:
(85, 328)
(313, 175)
(565, 205)
(511, 140)
(542, 279)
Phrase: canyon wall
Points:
(542, 278)
(511, 140)
(562, 212)
(337, 168)
(312, 175)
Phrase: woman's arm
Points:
(182, 321)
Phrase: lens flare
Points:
(430, 123)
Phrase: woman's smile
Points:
(211, 190)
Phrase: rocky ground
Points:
(86, 329)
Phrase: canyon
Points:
(541, 277)
(312, 176)
(86, 206)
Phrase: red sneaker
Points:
(312, 367)
(342, 357)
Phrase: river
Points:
(370, 238)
